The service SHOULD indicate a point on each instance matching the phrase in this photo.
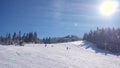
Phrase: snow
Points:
(81, 54)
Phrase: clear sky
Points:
(54, 17)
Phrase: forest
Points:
(105, 38)
(32, 37)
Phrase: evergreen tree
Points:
(35, 37)
(14, 36)
(19, 36)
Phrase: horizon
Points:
(54, 18)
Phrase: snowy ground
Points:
(79, 55)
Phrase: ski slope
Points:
(80, 54)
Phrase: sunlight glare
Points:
(107, 8)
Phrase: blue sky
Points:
(54, 17)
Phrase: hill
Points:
(78, 54)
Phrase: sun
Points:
(108, 8)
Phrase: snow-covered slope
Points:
(79, 55)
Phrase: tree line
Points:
(31, 37)
(67, 38)
(105, 38)
(18, 38)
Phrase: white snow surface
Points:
(80, 54)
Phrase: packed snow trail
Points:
(77, 54)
